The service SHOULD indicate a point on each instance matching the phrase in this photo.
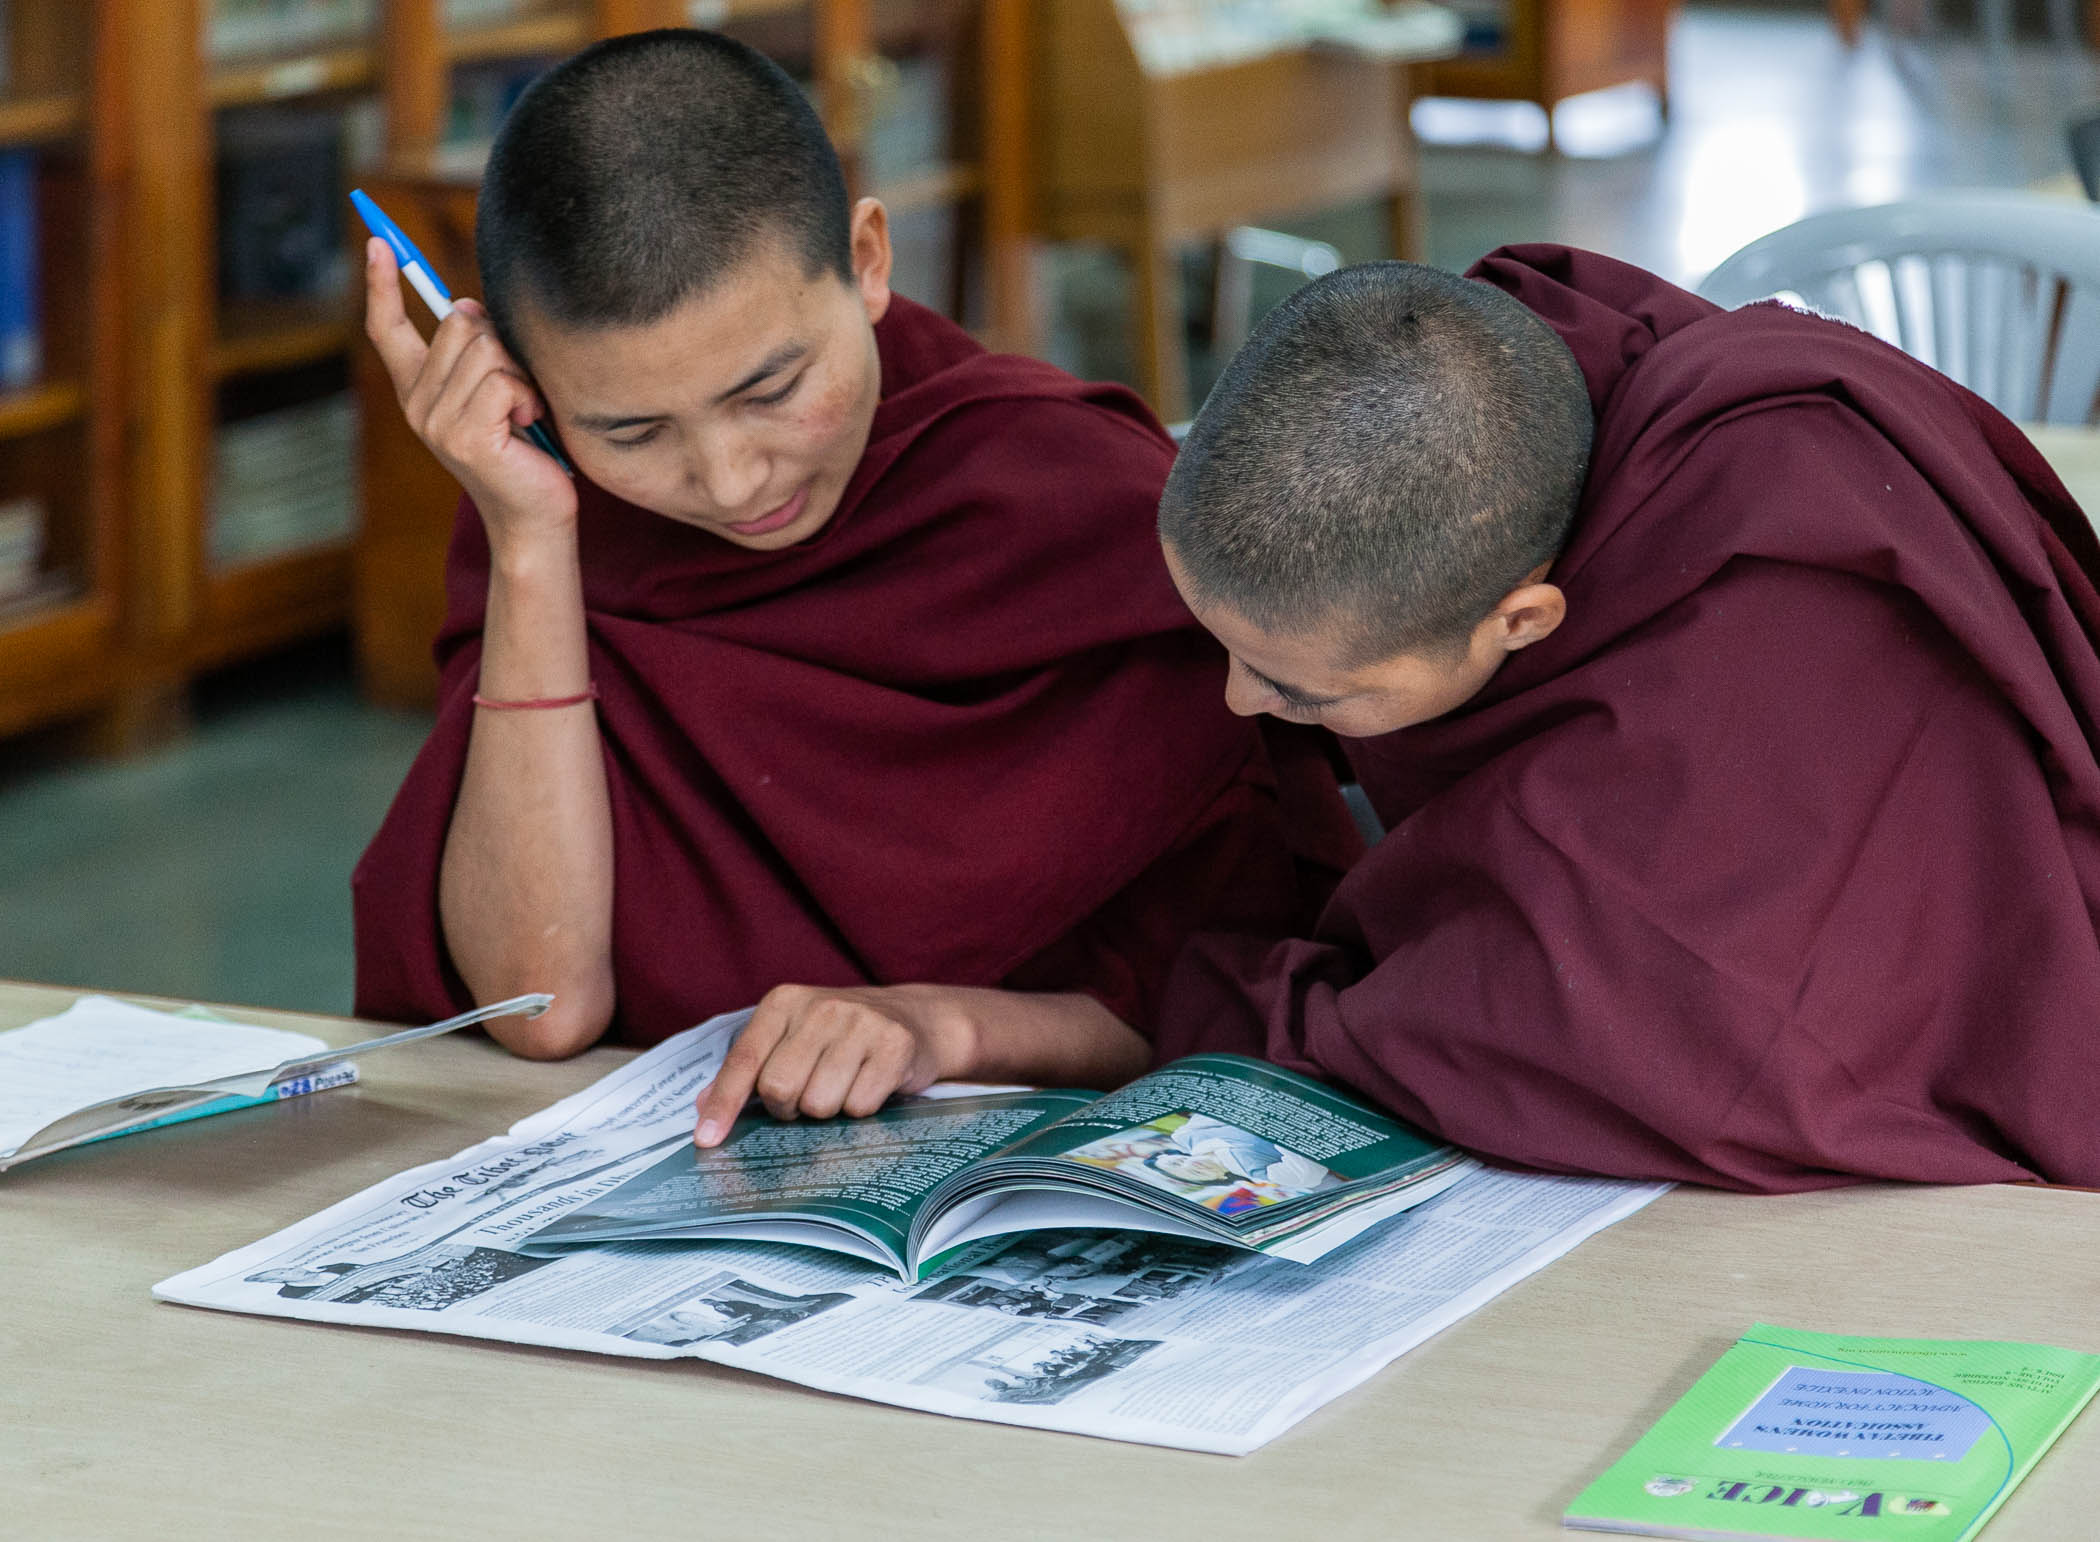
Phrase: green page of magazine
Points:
(1214, 1146)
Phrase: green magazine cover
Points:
(1815, 1435)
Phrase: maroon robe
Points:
(1777, 864)
(965, 733)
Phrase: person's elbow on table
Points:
(577, 1018)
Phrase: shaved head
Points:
(1391, 453)
(642, 171)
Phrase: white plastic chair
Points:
(1999, 290)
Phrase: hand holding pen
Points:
(463, 394)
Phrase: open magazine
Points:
(1215, 1147)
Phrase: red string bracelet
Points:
(537, 703)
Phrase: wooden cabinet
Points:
(123, 102)
(62, 626)
(1147, 160)
(190, 348)
(184, 347)
(1550, 50)
(150, 357)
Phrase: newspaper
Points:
(1131, 1335)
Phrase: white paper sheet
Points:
(99, 1049)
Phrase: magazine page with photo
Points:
(1237, 1138)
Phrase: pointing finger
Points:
(726, 1096)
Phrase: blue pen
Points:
(424, 280)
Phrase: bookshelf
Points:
(62, 617)
(143, 581)
(159, 371)
(200, 334)
(250, 82)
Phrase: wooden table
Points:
(120, 1417)
(2073, 453)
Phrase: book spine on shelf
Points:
(234, 28)
(21, 336)
(21, 547)
(480, 13)
(285, 481)
(280, 173)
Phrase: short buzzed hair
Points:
(1392, 451)
(641, 171)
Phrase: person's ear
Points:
(1529, 613)
(872, 257)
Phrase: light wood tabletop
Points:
(121, 1417)
(2073, 454)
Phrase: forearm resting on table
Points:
(1044, 1040)
(525, 887)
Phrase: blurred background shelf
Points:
(34, 408)
(34, 120)
(248, 82)
(1156, 129)
(64, 579)
(260, 335)
(1546, 51)
(264, 605)
(201, 463)
(939, 187)
(58, 658)
(525, 38)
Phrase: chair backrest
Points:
(1999, 290)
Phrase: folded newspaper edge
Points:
(1128, 1335)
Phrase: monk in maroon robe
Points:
(846, 657)
(1766, 853)
(1727, 685)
